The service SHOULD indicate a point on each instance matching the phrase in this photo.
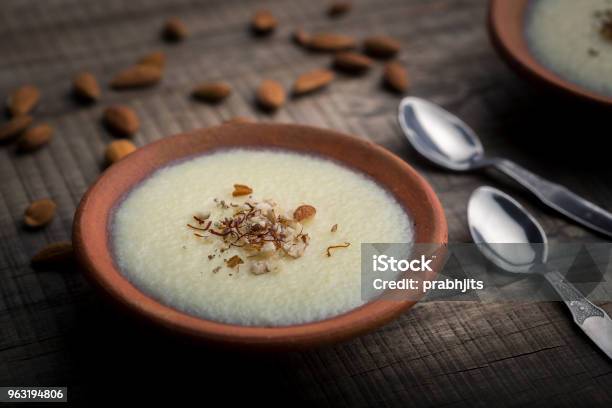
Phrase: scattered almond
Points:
(56, 253)
(339, 8)
(137, 76)
(331, 42)
(303, 212)
(234, 261)
(122, 120)
(175, 30)
(23, 100)
(35, 138)
(263, 22)
(241, 190)
(118, 149)
(381, 46)
(270, 94)
(14, 127)
(39, 213)
(301, 37)
(156, 59)
(352, 62)
(312, 81)
(86, 86)
(212, 91)
(395, 76)
(239, 119)
(334, 228)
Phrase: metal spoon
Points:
(495, 217)
(449, 142)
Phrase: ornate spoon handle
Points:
(593, 320)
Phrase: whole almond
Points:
(239, 120)
(39, 213)
(381, 46)
(395, 76)
(241, 190)
(303, 212)
(212, 91)
(14, 127)
(117, 150)
(263, 22)
(352, 62)
(122, 120)
(86, 86)
(137, 76)
(156, 59)
(270, 95)
(331, 42)
(35, 138)
(301, 37)
(175, 30)
(23, 100)
(53, 254)
(312, 81)
(339, 8)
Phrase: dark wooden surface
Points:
(56, 330)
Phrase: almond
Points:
(339, 8)
(312, 81)
(212, 91)
(381, 46)
(117, 150)
(238, 120)
(23, 100)
(53, 254)
(35, 138)
(39, 213)
(241, 190)
(86, 86)
(352, 62)
(137, 76)
(270, 95)
(263, 22)
(121, 120)
(175, 30)
(14, 127)
(303, 212)
(155, 59)
(331, 42)
(301, 37)
(234, 261)
(395, 76)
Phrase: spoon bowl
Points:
(506, 233)
(439, 135)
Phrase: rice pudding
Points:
(573, 39)
(254, 237)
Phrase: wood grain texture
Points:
(55, 329)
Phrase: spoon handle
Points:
(593, 320)
(559, 198)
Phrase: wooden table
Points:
(56, 330)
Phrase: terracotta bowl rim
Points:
(341, 327)
(516, 52)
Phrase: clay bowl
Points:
(91, 233)
(506, 23)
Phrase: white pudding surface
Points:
(162, 257)
(564, 35)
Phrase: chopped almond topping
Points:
(241, 190)
(303, 212)
(234, 261)
(329, 248)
